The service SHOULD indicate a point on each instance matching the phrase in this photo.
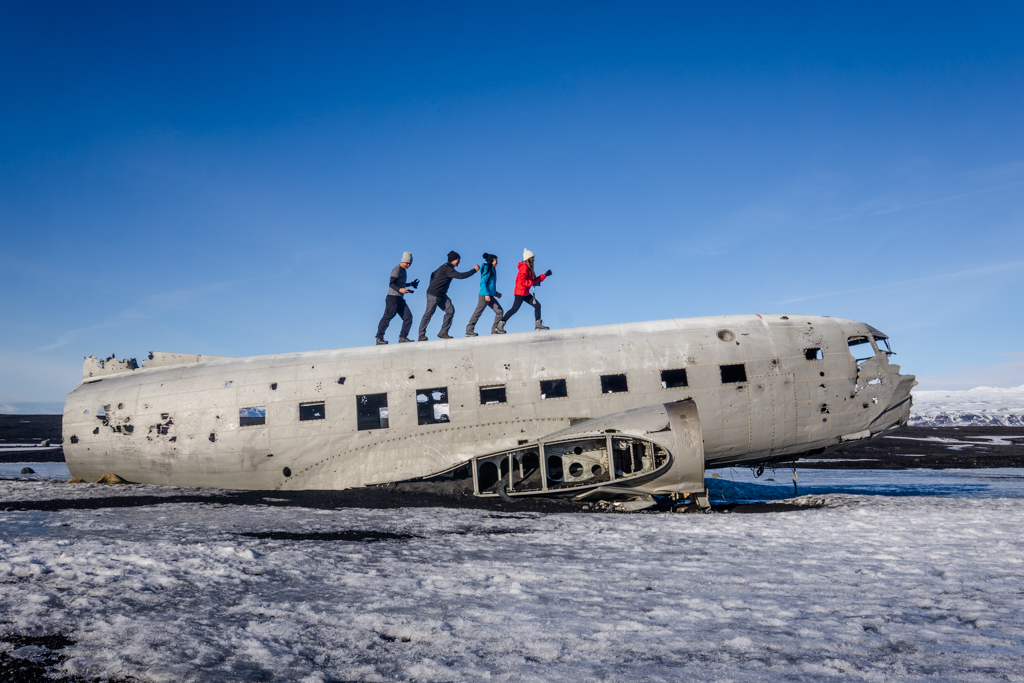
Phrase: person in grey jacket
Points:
(394, 303)
(437, 295)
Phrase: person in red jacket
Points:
(525, 281)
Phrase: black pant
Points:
(435, 302)
(395, 305)
(532, 300)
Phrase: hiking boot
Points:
(499, 328)
(381, 342)
(444, 335)
(471, 333)
(423, 337)
(404, 340)
(539, 325)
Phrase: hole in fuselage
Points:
(488, 475)
(555, 467)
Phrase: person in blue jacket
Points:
(489, 295)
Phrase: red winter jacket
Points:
(525, 279)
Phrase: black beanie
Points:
(453, 256)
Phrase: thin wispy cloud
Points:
(946, 199)
(162, 301)
(929, 278)
(787, 212)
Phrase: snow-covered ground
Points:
(974, 407)
(918, 587)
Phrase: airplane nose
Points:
(900, 401)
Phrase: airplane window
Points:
(813, 354)
(492, 395)
(732, 374)
(251, 417)
(553, 388)
(311, 411)
(883, 345)
(673, 379)
(613, 384)
(861, 348)
(372, 411)
(432, 405)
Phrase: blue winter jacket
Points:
(488, 280)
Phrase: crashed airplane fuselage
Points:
(641, 408)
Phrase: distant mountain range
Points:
(32, 408)
(982, 406)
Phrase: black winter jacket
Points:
(442, 278)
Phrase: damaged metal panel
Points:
(161, 359)
(94, 367)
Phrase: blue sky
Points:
(239, 179)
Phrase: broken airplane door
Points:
(571, 465)
(655, 449)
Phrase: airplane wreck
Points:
(615, 412)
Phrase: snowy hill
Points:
(982, 406)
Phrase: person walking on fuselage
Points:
(525, 280)
(489, 295)
(437, 295)
(394, 303)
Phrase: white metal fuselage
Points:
(183, 424)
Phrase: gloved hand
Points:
(547, 273)
(414, 284)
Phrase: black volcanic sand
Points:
(31, 429)
(920, 447)
(39, 666)
(373, 498)
(40, 455)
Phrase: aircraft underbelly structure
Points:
(548, 413)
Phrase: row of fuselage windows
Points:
(432, 405)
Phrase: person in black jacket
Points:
(437, 295)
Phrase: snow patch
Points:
(910, 588)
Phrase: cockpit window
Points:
(861, 348)
(883, 345)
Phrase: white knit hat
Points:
(407, 257)
(527, 254)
